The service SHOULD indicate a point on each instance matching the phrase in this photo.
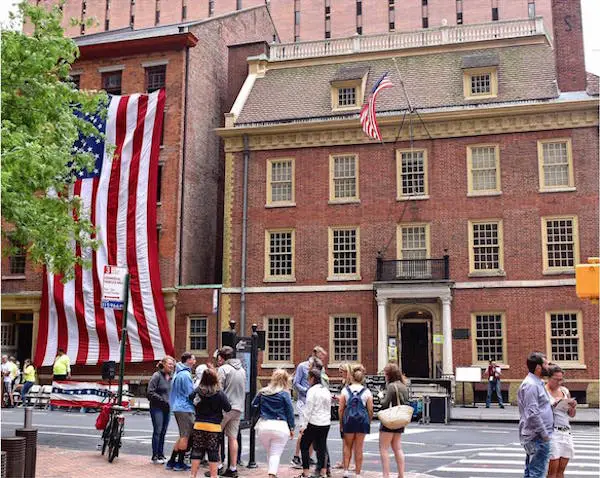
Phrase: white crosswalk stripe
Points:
(508, 461)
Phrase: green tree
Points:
(39, 128)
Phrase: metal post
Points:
(123, 341)
(253, 378)
(28, 417)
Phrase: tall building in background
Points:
(303, 20)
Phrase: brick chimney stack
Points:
(568, 45)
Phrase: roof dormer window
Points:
(348, 88)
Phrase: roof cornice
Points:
(438, 124)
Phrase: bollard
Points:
(15, 456)
(30, 435)
(28, 417)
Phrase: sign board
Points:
(468, 374)
(113, 287)
(438, 339)
(461, 334)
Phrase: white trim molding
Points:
(148, 64)
(515, 284)
(108, 69)
(292, 289)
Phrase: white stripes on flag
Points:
(121, 202)
(368, 118)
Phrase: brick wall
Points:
(568, 45)
(520, 205)
(206, 105)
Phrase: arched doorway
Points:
(414, 338)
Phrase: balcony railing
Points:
(414, 39)
(413, 269)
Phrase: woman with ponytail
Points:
(159, 389)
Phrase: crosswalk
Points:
(508, 461)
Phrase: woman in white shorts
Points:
(563, 406)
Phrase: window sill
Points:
(158, 204)
(480, 97)
(490, 273)
(343, 278)
(346, 108)
(558, 272)
(161, 147)
(413, 198)
(566, 189)
(336, 365)
(14, 277)
(485, 366)
(476, 194)
(280, 279)
(273, 365)
(282, 204)
(344, 201)
(571, 365)
(199, 353)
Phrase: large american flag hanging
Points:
(368, 118)
(119, 196)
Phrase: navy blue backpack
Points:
(356, 416)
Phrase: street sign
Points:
(113, 287)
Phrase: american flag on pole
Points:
(119, 196)
(368, 118)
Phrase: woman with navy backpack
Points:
(356, 412)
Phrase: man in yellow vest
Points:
(62, 366)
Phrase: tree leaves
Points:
(39, 128)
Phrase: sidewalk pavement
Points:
(589, 416)
(62, 463)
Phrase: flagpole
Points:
(410, 108)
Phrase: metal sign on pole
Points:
(115, 295)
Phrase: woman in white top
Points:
(356, 413)
(563, 406)
(317, 416)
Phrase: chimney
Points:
(568, 45)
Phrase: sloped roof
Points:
(433, 80)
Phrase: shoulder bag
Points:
(396, 417)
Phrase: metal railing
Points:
(413, 269)
(414, 39)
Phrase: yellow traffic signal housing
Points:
(587, 279)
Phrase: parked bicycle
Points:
(112, 422)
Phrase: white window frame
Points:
(292, 200)
(349, 276)
(197, 352)
(336, 363)
(279, 363)
(279, 278)
(547, 270)
(423, 272)
(469, 73)
(475, 356)
(345, 199)
(570, 186)
(407, 197)
(486, 272)
(570, 364)
(470, 183)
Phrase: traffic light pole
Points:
(123, 341)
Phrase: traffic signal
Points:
(587, 279)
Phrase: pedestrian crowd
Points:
(208, 401)
(16, 380)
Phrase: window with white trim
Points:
(480, 82)
(198, 334)
(280, 181)
(7, 335)
(565, 336)
(555, 159)
(279, 339)
(344, 177)
(413, 250)
(279, 255)
(344, 253)
(484, 169)
(488, 333)
(561, 248)
(486, 253)
(411, 173)
(345, 338)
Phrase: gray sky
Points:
(591, 32)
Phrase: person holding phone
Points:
(563, 407)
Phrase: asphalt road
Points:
(460, 449)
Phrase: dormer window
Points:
(348, 88)
(480, 76)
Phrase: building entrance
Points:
(415, 347)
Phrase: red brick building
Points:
(451, 243)
(303, 20)
(193, 63)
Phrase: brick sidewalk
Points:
(59, 462)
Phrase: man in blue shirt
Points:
(537, 420)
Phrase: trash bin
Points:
(439, 409)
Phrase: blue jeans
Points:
(25, 390)
(493, 385)
(160, 423)
(536, 458)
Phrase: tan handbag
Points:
(396, 417)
